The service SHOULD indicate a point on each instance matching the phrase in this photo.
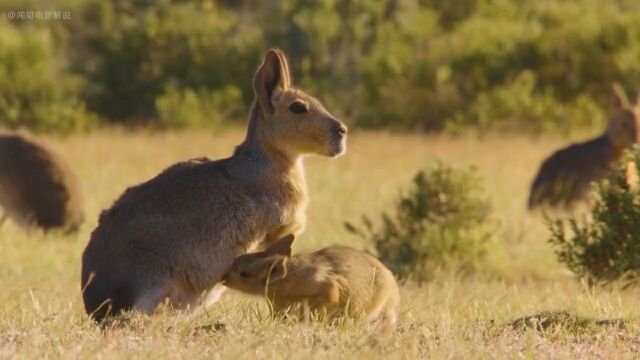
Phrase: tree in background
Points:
(529, 66)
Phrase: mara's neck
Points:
(257, 145)
(616, 150)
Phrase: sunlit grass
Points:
(41, 312)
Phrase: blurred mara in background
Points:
(37, 189)
(566, 176)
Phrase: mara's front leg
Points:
(213, 296)
(182, 298)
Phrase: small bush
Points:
(442, 222)
(605, 246)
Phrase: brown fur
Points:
(36, 187)
(337, 280)
(175, 235)
(631, 175)
(565, 177)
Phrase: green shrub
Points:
(604, 246)
(433, 66)
(133, 51)
(516, 106)
(198, 109)
(506, 65)
(35, 91)
(441, 222)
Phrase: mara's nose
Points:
(341, 129)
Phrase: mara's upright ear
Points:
(620, 99)
(281, 246)
(284, 68)
(273, 73)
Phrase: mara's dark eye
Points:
(298, 107)
(244, 274)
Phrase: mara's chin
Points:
(338, 149)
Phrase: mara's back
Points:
(36, 187)
(192, 201)
(365, 282)
(566, 176)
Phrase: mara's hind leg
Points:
(107, 294)
(390, 317)
(373, 313)
(383, 311)
(151, 298)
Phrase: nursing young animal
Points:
(337, 280)
(565, 177)
(37, 188)
(175, 236)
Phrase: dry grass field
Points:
(453, 317)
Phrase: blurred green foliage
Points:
(605, 246)
(35, 91)
(197, 109)
(531, 65)
(442, 222)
